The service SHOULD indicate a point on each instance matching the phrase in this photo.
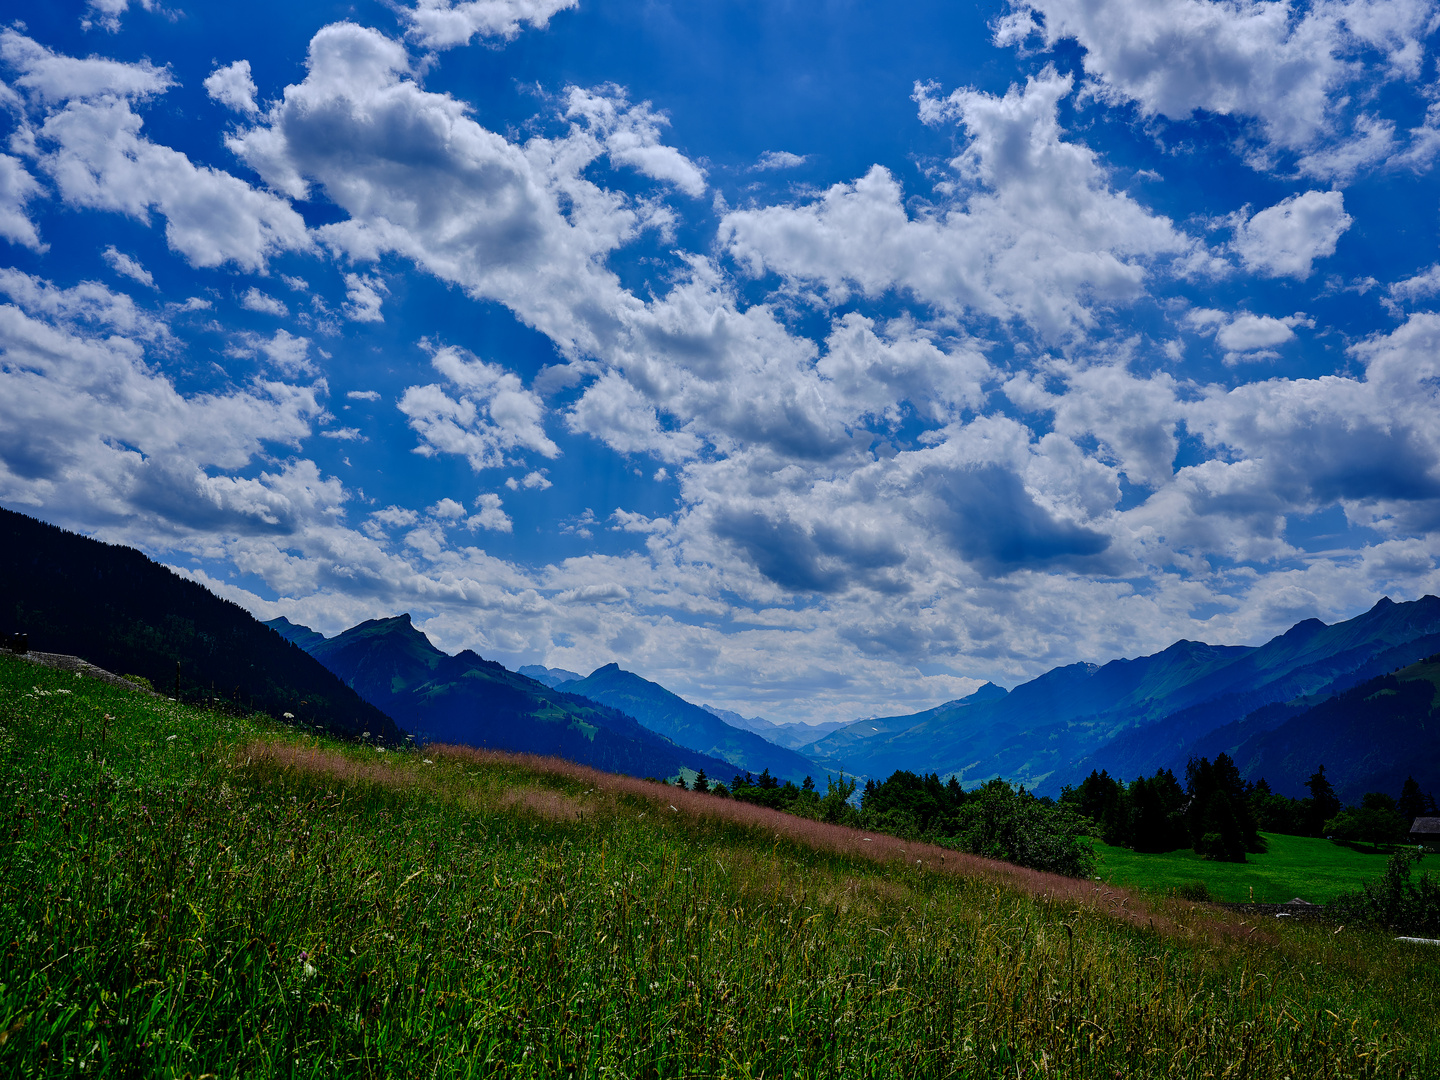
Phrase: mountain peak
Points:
(392, 623)
(1382, 603)
(1306, 628)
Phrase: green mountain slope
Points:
(470, 701)
(295, 633)
(689, 725)
(117, 609)
(1369, 738)
(1303, 666)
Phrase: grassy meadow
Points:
(1312, 869)
(189, 893)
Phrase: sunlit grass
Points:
(1312, 869)
(189, 892)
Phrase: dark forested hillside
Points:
(471, 701)
(1369, 738)
(119, 610)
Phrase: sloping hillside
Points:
(214, 897)
(1308, 663)
(121, 611)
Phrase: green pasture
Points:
(1314, 870)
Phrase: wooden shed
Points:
(1425, 831)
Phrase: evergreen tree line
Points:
(1220, 815)
(994, 820)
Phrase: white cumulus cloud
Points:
(17, 189)
(483, 414)
(285, 351)
(1037, 235)
(1284, 240)
(443, 24)
(89, 427)
(1285, 65)
(106, 13)
(363, 296)
(255, 300)
(779, 159)
(631, 136)
(127, 266)
(90, 145)
(233, 86)
(490, 515)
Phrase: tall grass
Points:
(185, 892)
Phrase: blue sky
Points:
(815, 360)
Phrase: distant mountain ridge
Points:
(117, 609)
(1132, 716)
(472, 701)
(550, 676)
(1271, 707)
(690, 725)
(792, 736)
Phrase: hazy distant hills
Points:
(476, 702)
(794, 736)
(550, 676)
(119, 610)
(690, 725)
(863, 740)
(1133, 716)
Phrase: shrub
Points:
(1000, 822)
(1395, 902)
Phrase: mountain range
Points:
(1131, 717)
(793, 736)
(690, 725)
(1357, 696)
(468, 700)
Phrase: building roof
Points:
(1426, 826)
